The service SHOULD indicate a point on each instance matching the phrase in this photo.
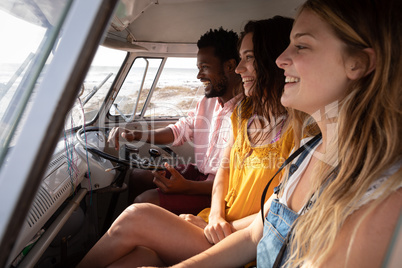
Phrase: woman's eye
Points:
(299, 47)
(249, 58)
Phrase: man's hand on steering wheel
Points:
(117, 132)
(114, 135)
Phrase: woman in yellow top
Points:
(260, 140)
(145, 234)
(251, 166)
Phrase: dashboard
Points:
(62, 177)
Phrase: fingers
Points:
(161, 181)
(160, 185)
(175, 174)
(176, 184)
(173, 171)
(129, 136)
(217, 232)
(116, 132)
(160, 175)
(114, 137)
(110, 139)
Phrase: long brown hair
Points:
(369, 124)
(270, 39)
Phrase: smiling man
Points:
(187, 188)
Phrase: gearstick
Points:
(154, 153)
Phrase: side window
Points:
(176, 90)
(136, 87)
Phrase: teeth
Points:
(206, 83)
(291, 79)
(247, 79)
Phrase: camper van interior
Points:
(71, 71)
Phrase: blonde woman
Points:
(343, 195)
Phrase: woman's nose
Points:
(240, 68)
(284, 59)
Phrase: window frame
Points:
(134, 116)
(140, 116)
(84, 23)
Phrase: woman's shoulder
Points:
(367, 233)
(368, 230)
(375, 189)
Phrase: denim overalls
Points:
(277, 224)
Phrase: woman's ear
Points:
(361, 65)
(371, 58)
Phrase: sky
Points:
(19, 38)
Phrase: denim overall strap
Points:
(309, 145)
(278, 223)
(276, 227)
(295, 166)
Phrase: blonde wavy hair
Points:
(369, 125)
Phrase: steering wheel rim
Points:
(134, 163)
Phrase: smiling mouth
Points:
(206, 83)
(247, 79)
(289, 79)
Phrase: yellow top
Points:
(250, 170)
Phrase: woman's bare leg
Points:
(172, 238)
(140, 256)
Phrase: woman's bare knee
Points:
(133, 215)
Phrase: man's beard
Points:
(219, 89)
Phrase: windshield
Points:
(97, 83)
(28, 37)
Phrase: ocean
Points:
(170, 76)
(182, 78)
(176, 93)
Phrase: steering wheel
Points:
(130, 153)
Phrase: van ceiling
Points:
(184, 21)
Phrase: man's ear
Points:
(230, 65)
(361, 65)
